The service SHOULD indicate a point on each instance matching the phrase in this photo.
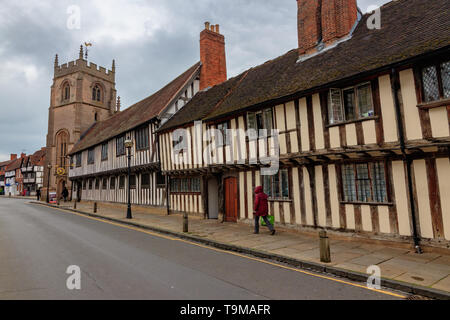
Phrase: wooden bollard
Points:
(185, 223)
(95, 207)
(325, 252)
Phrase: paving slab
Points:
(443, 284)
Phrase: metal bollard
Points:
(95, 207)
(325, 252)
(75, 205)
(185, 222)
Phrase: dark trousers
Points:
(266, 220)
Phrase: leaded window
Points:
(104, 151)
(277, 186)
(260, 120)
(436, 82)
(145, 181)
(142, 138)
(351, 103)
(91, 156)
(364, 182)
(112, 183)
(133, 182)
(78, 160)
(122, 182)
(105, 183)
(120, 146)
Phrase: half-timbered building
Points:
(99, 159)
(357, 116)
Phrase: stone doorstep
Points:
(310, 261)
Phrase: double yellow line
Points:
(233, 253)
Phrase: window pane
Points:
(105, 184)
(348, 180)
(379, 182)
(133, 182)
(349, 104)
(335, 107)
(251, 120)
(445, 73)
(268, 120)
(267, 184)
(276, 186)
(365, 101)
(285, 183)
(259, 121)
(145, 181)
(430, 84)
(363, 183)
(112, 184)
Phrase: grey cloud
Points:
(32, 32)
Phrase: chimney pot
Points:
(212, 28)
(13, 156)
(217, 28)
(207, 25)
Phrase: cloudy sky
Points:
(152, 41)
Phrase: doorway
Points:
(213, 198)
(231, 199)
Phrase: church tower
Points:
(81, 95)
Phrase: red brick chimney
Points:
(324, 21)
(212, 57)
(13, 156)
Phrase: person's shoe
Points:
(255, 232)
(273, 233)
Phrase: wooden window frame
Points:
(280, 182)
(369, 164)
(418, 71)
(119, 152)
(358, 116)
(142, 138)
(145, 185)
(122, 182)
(105, 154)
(264, 121)
(112, 185)
(91, 156)
(105, 184)
(134, 185)
(78, 158)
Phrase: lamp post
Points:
(48, 183)
(129, 145)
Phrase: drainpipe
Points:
(395, 89)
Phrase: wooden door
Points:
(231, 200)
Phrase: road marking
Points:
(230, 252)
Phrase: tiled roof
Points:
(38, 158)
(138, 114)
(408, 28)
(15, 164)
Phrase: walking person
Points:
(262, 210)
(65, 194)
(38, 194)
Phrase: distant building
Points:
(33, 172)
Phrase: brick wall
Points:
(212, 56)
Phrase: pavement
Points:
(401, 268)
(39, 243)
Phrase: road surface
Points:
(38, 244)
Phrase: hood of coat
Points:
(258, 190)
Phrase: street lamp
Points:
(129, 145)
(48, 183)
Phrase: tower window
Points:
(96, 93)
(66, 92)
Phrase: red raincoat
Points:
(261, 206)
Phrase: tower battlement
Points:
(82, 65)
